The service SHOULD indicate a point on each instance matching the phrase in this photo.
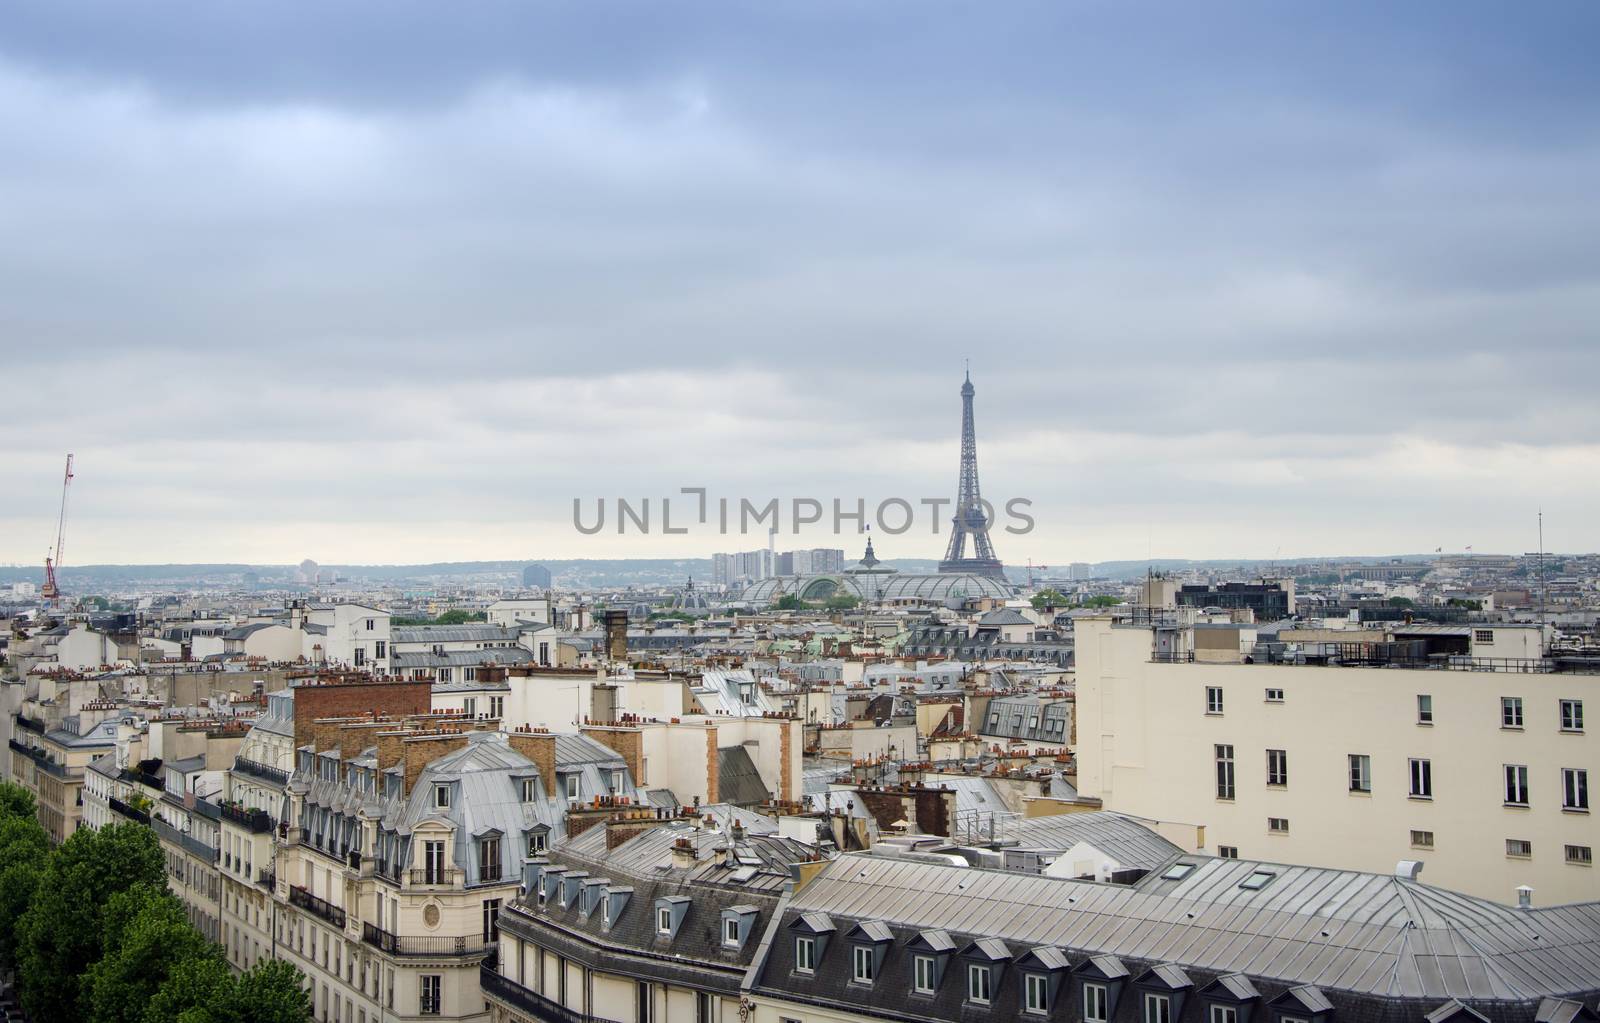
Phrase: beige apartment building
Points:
(1462, 748)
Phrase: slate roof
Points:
(738, 781)
(1377, 946)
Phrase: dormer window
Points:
(979, 984)
(1094, 1003)
(538, 843)
(530, 790)
(605, 910)
(863, 964)
(730, 931)
(1036, 994)
(663, 920)
(572, 788)
(924, 975)
(805, 955)
(618, 781)
(441, 797)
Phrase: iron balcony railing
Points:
(257, 822)
(267, 879)
(529, 1003)
(130, 812)
(436, 876)
(30, 724)
(302, 898)
(422, 944)
(171, 834)
(259, 770)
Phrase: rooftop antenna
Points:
(1541, 573)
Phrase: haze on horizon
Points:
(394, 283)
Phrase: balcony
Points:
(30, 724)
(257, 822)
(298, 896)
(267, 879)
(168, 833)
(262, 771)
(42, 760)
(529, 1003)
(130, 812)
(422, 944)
(436, 877)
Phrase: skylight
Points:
(1257, 880)
(1177, 872)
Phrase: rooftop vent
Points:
(1410, 870)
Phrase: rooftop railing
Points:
(257, 822)
(422, 944)
(259, 770)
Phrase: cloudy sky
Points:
(391, 281)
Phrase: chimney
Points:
(683, 854)
(616, 625)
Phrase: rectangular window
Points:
(644, 1002)
(1224, 771)
(530, 790)
(491, 920)
(1421, 779)
(978, 984)
(1277, 767)
(1036, 993)
(863, 965)
(922, 983)
(1223, 1014)
(1519, 847)
(1510, 712)
(446, 674)
(1228, 852)
(1422, 839)
(805, 955)
(1582, 855)
(1572, 715)
(1574, 788)
(489, 860)
(1274, 695)
(1278, 825)
(1094, 1003)
(1516, 784)
(664, 921)
(1213, 699)
(469, 706)
(730, 930)
(497, 706)
(1157, 1009)
(1424, 709)
(1360, 772)
(370, 624)
(432, 989)
(380, 649)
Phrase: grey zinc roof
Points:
(1124, 839)
(462, 658)
(738, 781)
(1367, 934)
(452, 634)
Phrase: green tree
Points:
(16, 801)
(1100, 602)
(843, 602)
(145, 934)
(61, 930)
(790, 602)
(1049, 597)
(460, 617)
(24, 854)
(271, 991)
(1402, 602)
(196, 991)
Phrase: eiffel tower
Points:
(969, 518)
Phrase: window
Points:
(1277, 767)
(469, 675)
(489, 860)
(469, 706)
(1036, 993)
(1094, 1003)
(1223, 1014)
(730, 931)
(380, 649)
(497, 706)
(538, 843)
(1574, 788)
(1483, 635)
(1582, 855)
(862, 972)
(431, 990)
(1421, 779)
(1228, 852)
(923, 975)
(1157, 1009)
(530, 790)
(1510, 712)
(978, 984)
(664, 921)
(441, 796)
(572, 788)
(1278, 825)
(361, 656)
(619, 780)
(1422, 839)
(1257, 880)
(1360, 772)
(1516, 784)
(805, 955)
(1572, 715)
(1424, 709)
(643, 1002)
(1224, 771)
(491, 920)
(1519, 847)
(370, 624)
(1213, 699)
(446, 674)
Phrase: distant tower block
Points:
(969, 520)
(536, 575)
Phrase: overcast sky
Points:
(396, 281)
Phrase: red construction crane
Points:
(51, 592)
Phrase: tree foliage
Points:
(146, 935)
(1049, 597)
(62, 930)
(24, 853)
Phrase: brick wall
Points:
(356, 699)
(419, 751)
(625, 742)
(713, 775)
(539, 747)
